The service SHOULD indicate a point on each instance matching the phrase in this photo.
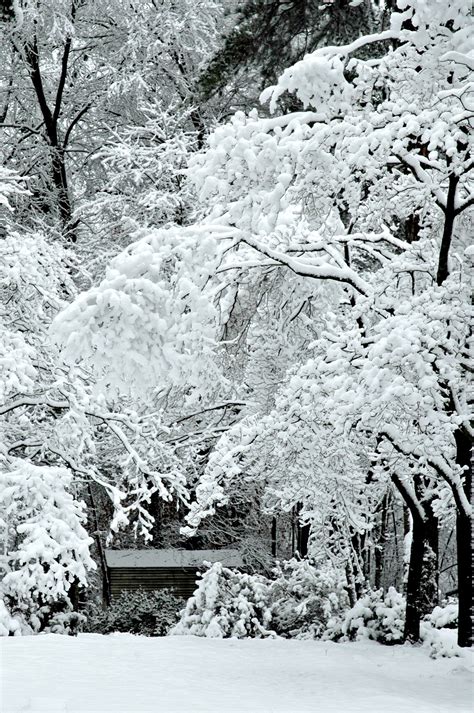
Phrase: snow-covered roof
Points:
(171, 558)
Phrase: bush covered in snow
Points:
(297, 603)
(440, 643)
(138, 612)
(44, 554)
(305, 598)
(444, 617)
(375, 616)
(11, 625)
(438, 631)
(226, 604)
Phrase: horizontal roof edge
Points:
(171, 558)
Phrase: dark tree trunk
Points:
(422, 581)
(379, 552)
(351, 587)
(156, 511)
(464, 544)
(417, 553)
(449, 216)
(463, 453)
(464, 555)
(303, 539)
(102, 561)
(274, 537)
(50, 118)
(300, 534)
(59, 177)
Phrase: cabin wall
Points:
(181, 580)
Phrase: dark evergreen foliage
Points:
(270, 35)
(139, 612)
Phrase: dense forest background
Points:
(234, 296)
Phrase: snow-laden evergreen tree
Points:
(45, 548)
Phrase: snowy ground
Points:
(126, 673)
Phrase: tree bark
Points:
(51, 118)
(422, 590)
(464, 544)
(156, 511)
(303, 539)
(417, 553)
(422, 582)
(449, 216)
(379, 551)
(102, 561)
(274, 537)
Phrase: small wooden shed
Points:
(162, 569)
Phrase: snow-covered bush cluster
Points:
(381, 617)
(11, 625)
(376, 616)
(297, 603)
(445, 616)
(304, 601)
(440, 643)
(438, 630)
(149, 613)
(305, 598)
(228, 604)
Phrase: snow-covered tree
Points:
(45, 548)
(74, 74)
(370, 188)
(60, 422)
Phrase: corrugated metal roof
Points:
(171, 558)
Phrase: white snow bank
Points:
(122, 672)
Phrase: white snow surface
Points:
(171, 558)
(128, 673)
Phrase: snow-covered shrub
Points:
(438, 631)
(228, 604)
(376, 616)
(68, 622)
(305, 598)
(11, 625)
(45, 548)
(138, 612)
(297, 603)
(440, 643)
(444, 617)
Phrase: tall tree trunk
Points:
(417, 553)
(422, 589)
(156, 511)
(379, 552)
(422, 582)
(351, 586)
(102, 561)
(464, 544)
(449, 216)
(463, 451)
(274, 537)
(59, 177)
(303, 539)
(302, 533)
(51, 118)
